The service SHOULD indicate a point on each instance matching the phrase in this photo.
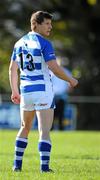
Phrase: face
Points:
(44, 28)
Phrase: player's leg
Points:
(22, 138)
(45, 120)
(26, 123)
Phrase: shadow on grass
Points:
(60, 156)
(86, 157)
(11, 154)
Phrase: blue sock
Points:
(44, 148)
(20, 147)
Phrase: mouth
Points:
(49, 31)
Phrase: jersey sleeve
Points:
(16, 51)
(48, 52)
(13, 56)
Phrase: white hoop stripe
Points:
(19, 149)
(22, 139)
(44, 153)
(18, 157)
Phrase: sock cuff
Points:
(45, 141)
(22, 139)
(44, 146)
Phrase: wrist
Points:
(69, 79)
(14, 91)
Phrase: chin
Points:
(47, 34)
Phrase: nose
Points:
(50, 26)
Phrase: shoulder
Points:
(43, 42)
(21, 40)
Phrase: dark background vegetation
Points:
(76, 38)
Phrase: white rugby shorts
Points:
(37, 101)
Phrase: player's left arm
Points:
(13, 78)
(59, 72)
(50, 59)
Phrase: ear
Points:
(33, 25)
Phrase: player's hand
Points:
(73, 82)
(15, 98)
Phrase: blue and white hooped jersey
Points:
(31, 53)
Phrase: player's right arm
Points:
(13, 78)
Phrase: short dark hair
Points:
(39, 17)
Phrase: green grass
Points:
(75, 156)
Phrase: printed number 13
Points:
(30, 66)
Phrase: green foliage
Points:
(75, 34)
(4, 77)
(75, 156)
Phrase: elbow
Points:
(55, 71)
(10, 70)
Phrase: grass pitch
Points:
(75, 156)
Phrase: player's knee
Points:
(26, 127)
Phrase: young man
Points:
(34, 56)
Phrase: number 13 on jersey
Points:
(30, 66)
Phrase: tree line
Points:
(76, 38)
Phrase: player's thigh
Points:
(27, 117)
(45, 119)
